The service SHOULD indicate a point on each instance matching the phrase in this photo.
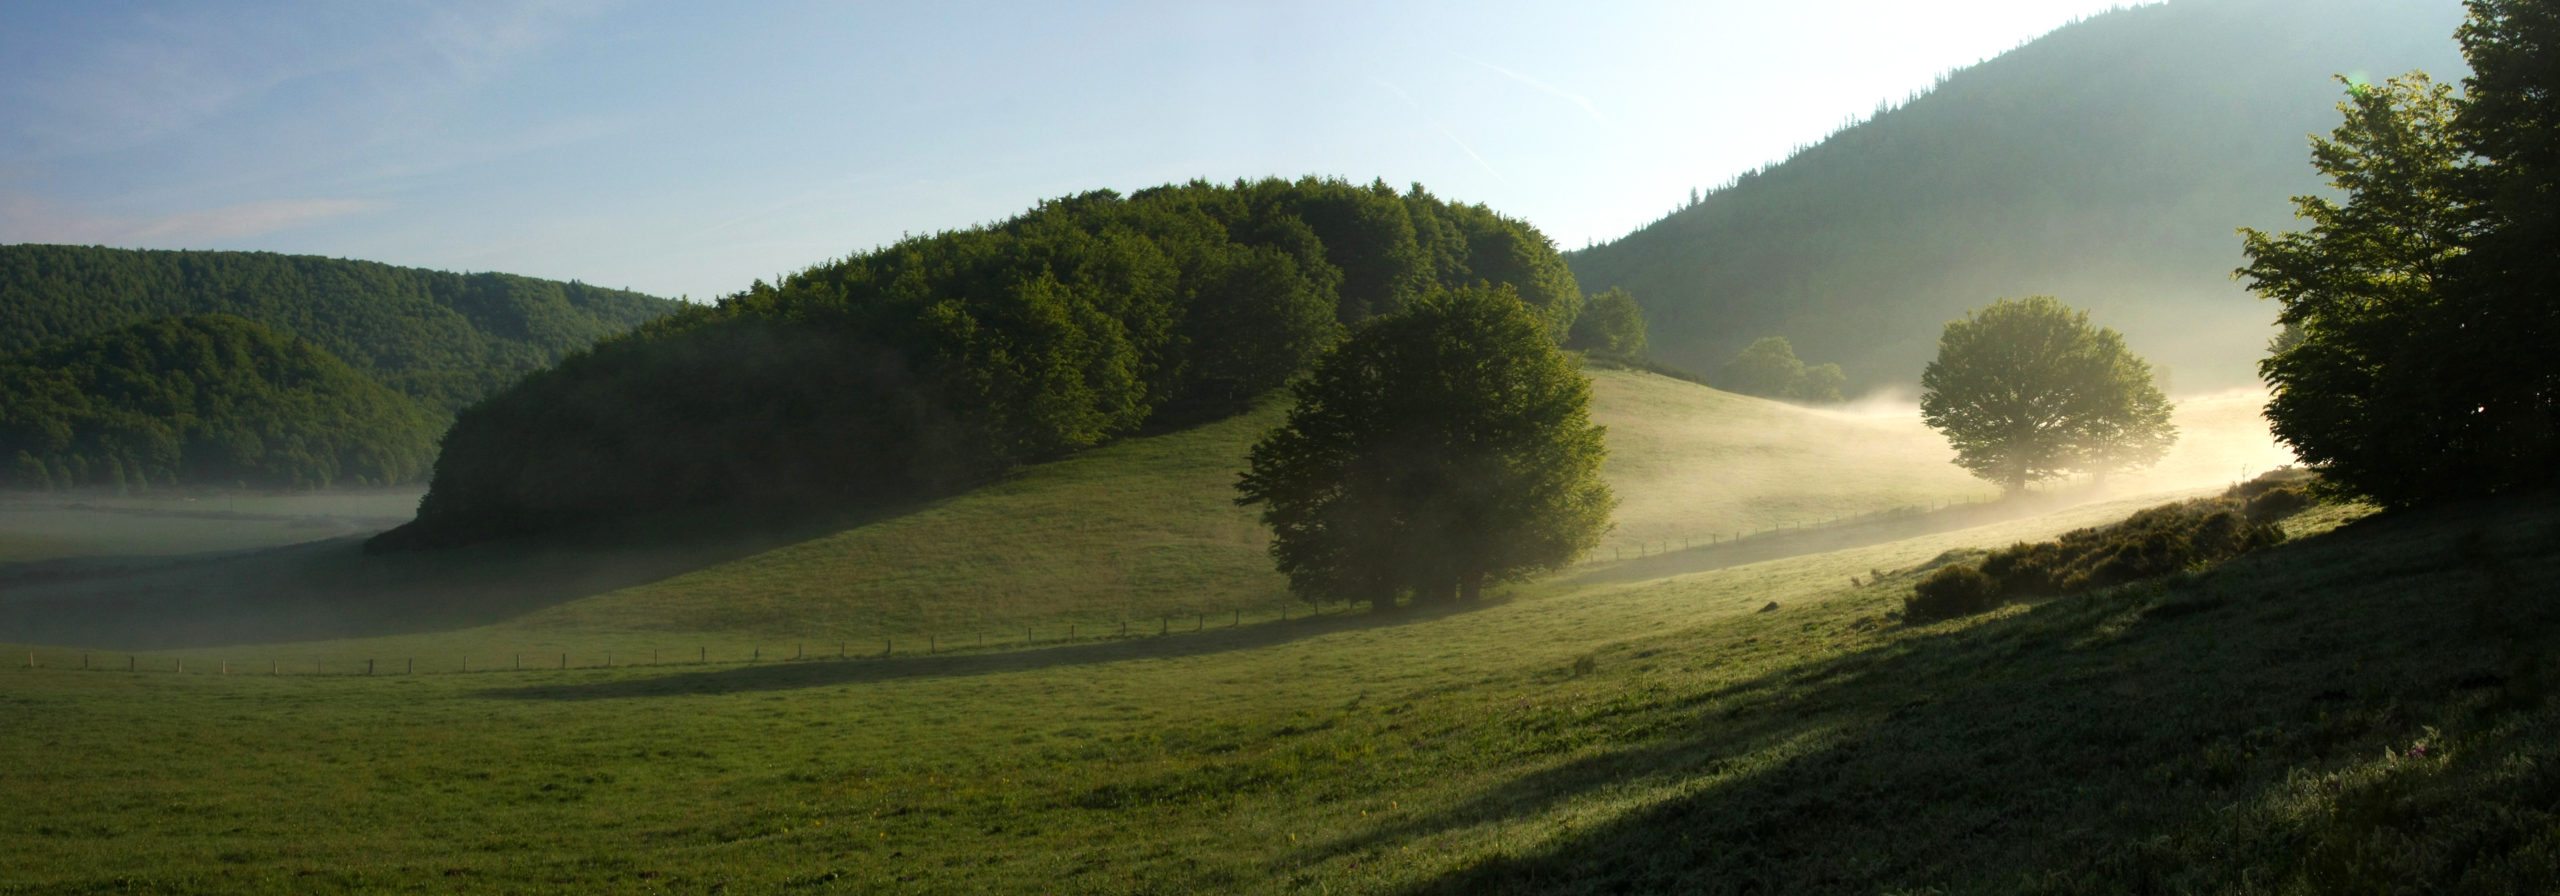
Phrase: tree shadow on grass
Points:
(798, 674)
(2121, 742)
(333, 588)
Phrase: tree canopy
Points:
(203, 399)
(1769, 368)
(2421, 304)
(443, 339)
(2026, 390)
(1611, 324)
(944, 360)
(1439, 449)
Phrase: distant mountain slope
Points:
(203, 399)
(2107, 163)
(442, 338)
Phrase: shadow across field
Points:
(334, 588)
(2116, 742)
(797, 674)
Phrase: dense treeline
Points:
(2107, 162)
(202, 399)
(442, 338)
(944, 360)
(2419, 297)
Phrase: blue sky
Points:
(682, 149)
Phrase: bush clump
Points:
(1950, 592)
(2154, 542)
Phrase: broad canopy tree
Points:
(2027, 390)
(1439, 449)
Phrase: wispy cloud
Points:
(1443, 129)
(245, 219)
(1577, 99)
(35, 220)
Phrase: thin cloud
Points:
(29, 219)
(1577, 99)
(1443, 129)
(246, 219)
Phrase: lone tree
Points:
(1439, 448)
(2027, 390)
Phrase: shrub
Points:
(2151, 543)
(2277, 503)
(1950, 592)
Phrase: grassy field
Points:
(1141, 533)
(2366, 708)
(2362, 709)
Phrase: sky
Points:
(683, 149)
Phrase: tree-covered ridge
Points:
(2107, 161)
(944, 360)
(442, 338)
(202, 399)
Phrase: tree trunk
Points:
(1471, 586)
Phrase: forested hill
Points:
(208, 399)
(2107, 163)
(442, 338)
(942, 361)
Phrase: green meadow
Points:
(2358, 708)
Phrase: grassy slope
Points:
(1139, 530)
(2362, 709)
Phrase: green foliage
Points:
(1950, 592)
(2026, 390)
(1769, 369)
(1438, 449)
(947, 360)
(1611, 324)
(2422, 368)
(206, 399)
(443, 339)
(2103, 161)
(2362, 289)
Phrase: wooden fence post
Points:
(368, 667)
(564, 660)
(413, 666)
